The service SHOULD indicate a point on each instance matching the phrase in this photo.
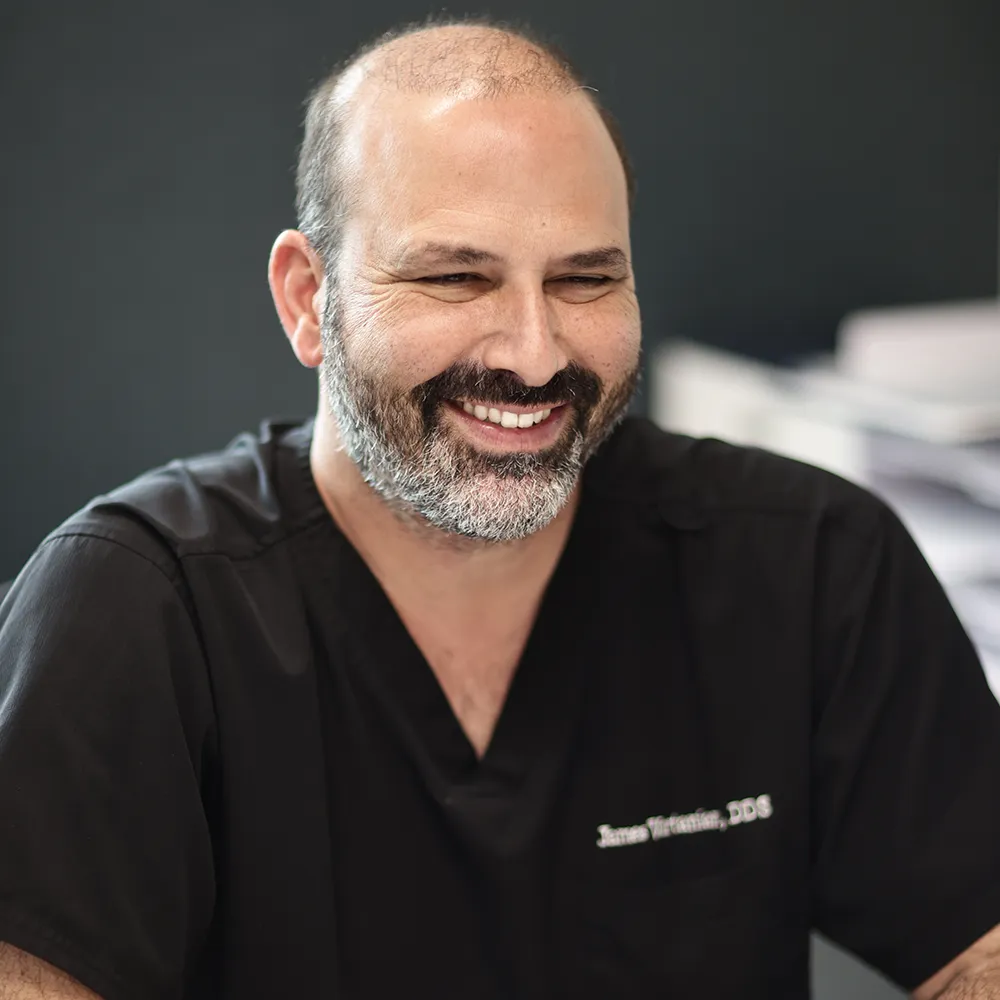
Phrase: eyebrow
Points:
(607, 257)
(447, 253)
(610, 257)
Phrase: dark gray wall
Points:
(795, 160)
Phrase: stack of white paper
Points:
(973, 415)
(949, 351)
(932, 372)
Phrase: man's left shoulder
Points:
(705, 477)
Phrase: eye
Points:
(581, 287)
(450, 279)
(586, 280)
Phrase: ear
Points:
(295, 274)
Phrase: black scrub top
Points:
(746, 710)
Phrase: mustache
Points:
(572, 384)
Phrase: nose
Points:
(527, 340)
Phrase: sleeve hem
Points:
(34, 938)
(954, 929)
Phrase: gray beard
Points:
(424, 471)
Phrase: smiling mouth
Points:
(505, 418)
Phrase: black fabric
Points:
(746, 709)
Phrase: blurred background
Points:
(805, 170)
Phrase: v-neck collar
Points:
(534, 730)
(390, 663)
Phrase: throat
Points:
(477, 702)
(469, 610)
(474, 671)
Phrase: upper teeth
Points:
(504, 417)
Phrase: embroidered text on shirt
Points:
(737, 812)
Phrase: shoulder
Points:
(695, 481)
(224, 502)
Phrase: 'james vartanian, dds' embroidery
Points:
(738, 812)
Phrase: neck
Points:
(401, 548)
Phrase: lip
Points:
(501, 439)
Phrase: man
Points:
(461, 691)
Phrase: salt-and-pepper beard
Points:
(406, 452)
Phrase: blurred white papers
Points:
(931, 372)
(945, 351)
(959, 538)
(973, 469)
(973, 415)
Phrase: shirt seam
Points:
(173, 579)
(315, 521)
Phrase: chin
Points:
(490, 508)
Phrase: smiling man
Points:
(468, 687)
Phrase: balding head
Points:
(469, 59)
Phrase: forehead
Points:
(530, 162)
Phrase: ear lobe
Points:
(295, 274)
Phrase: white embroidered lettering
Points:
(696, 822)
(621, 836)
(740, 812)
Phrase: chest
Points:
(641, 806)
(626, 825)
(635, 712)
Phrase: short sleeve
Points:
(906, 757)
(106, 864)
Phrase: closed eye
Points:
(450, 279)
(461, 277)
(585, 279)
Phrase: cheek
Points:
(401, 338)
(608, 340)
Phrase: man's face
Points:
(481, 336)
